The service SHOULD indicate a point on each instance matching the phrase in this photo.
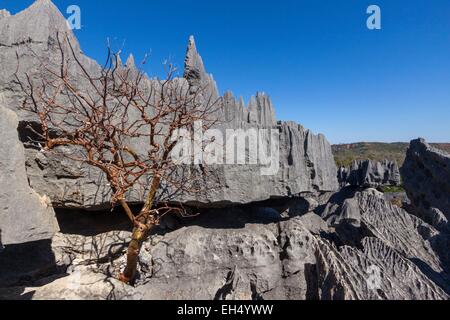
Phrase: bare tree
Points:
(104, 114)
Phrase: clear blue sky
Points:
(317, 60)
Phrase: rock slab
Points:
(25, 216)
(426, 175)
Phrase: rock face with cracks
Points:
(25, 216)
(426, 175)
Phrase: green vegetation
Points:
(393, 189)
(345, 154)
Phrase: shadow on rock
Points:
(22, 265)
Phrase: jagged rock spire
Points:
(42, 2)
(130, 63)
(195, 72)
(48, 5)
(119, 60)
(39, 22)
(194, 69)
(261, 110)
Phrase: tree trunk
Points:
(141, 232)
(143, 225)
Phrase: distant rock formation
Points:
(370, 174)
(306, 161)
(426, 175)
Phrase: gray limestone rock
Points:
(408, 235)
(401, 231)
(377, 272)
(426, 175)
(314, 224)
(23, 264)
(232, 255)
(4, 13)
(350, 214)
(195, 72)
(25, 216)
(298, 206)
(370, 174)
(82, 284)
(92, 239)
(295, 259)
(35, 25)
(257, 262)
(261, 111)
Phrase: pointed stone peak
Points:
(194, 68)
(252, 103)
(191, 43)
(39, 22)
(241, 102)
(47, 5)
(4, 13)
(261, 110)
(119, 60)
(195, 73)
(130, 63)
(228, 95)
(261, 94)
(41, 2)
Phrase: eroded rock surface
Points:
(370, 174)
(300, 259)
(373, 217)
(25, 216)
(376, 272)
(243, 263)
(426, 175)
(238, 255)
